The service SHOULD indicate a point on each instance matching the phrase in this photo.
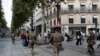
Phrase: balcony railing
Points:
(94, 11)
(83, 11)
(82, 0)
(71, 11)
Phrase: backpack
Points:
(57, 37)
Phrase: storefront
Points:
(76, 27)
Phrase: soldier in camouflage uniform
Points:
(91, 42)
(32, 36)
(56, 39)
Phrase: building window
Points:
(82, 20)
(94, 7)
(70, 20)
(82, 8)
(71, 8)
(94, 20)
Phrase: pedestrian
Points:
(78, 37)
(68, 37)
(56, 39)
(72, 35)
(23, 37)
(39, 38)
(26, 37)
(32, 37)
(91, 42)
(98, 38)
(45, 36)
(49, 34)
(13, 37)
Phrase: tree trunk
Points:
(32, 21)
(43, 20)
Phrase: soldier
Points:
(56, 39)
(91, 42)
(32, 36)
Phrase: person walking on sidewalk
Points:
(98, 38)
(32, 36)
(13, 37)
(56, 39)
(68, 37)
(91, 42)
(49, 34)
(78, 37)
(23, 37)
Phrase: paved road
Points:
(70, 49)
(8, 49)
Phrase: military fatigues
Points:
(31, 39)
(56, 39)
(91, 42)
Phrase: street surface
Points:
(70, 49)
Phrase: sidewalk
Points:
(70, 49)
(19, 50)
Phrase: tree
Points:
(22, 10)
(2, 20)
(43, 4)
(31, 4)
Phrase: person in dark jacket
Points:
(78, 37)
(98, 38)
(68, 37)
(13, 37)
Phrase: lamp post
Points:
(58, 18)
(48, 3)
(58, 7)
(96, 24)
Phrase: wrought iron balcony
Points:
(94, 11)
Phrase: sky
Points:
(7, 8)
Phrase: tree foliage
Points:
(2, 20)
(22, 10)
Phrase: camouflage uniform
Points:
(56, 39)
(31, 39)
(91, 42)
